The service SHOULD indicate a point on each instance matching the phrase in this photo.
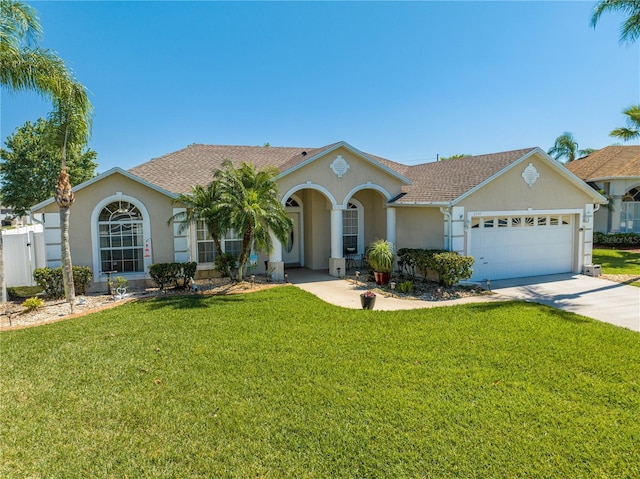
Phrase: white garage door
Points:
(517, 246)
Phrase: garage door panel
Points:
(524, 248)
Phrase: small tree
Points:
(31, 166)
(249, 200)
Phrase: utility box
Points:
(594, 270)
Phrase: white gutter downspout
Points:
(447, 212)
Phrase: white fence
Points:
(23, 252)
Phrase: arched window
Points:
(630, 213)
(352, 228)
(632, 195)
(121, 238)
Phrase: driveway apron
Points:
(596, 298)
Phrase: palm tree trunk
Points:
(67, 267)
(3, 285)
(64, 197)
(246, 249)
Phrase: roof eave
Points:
(597, 197)
(609, 178)
(101, 176)
(344, 144)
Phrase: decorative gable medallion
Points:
(339, 166)
(530, 175)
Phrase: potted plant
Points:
(368, 299)
(380, 257)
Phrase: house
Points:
(519, 213)
(614, 171)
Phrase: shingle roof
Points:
(444, 181)
(609, 162)
(194, 165)
(432, 182)
(179, 171)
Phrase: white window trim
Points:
(360, 210)
(95, 238)
(193, 254)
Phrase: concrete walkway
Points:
(595, 298)
(347, 294)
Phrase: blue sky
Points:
(406, 81)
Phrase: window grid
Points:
(350, 227)
(121, 241)
(521, 221)
(231, 243)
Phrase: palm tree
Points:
(31, 68)
(203, 205)
(567, 147)
(250, 199)
(564, 147)
(633, 121)
(71, 125)
(630, 30)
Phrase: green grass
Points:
(279, 384)
(618, 262)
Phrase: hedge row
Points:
(450, 266)
(50, 279)
(616, 239)
(178, 274)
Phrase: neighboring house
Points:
(519, 213)
(615, 172)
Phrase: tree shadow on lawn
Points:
(194, 301)
(568, 316)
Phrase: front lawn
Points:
(279, 384)
(621, 262)
(615, 261)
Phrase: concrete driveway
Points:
(595, 298)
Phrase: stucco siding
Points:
(158, 206)
(317, 230)
(510, 192)
(375, 219)
(420, 227)
(360, 173)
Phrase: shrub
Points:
(163, 274)
(451, 267)
(224, 263)
(407, 261)
(50, 279)
(186, 272)
(81, 278)
(405, 287)
(616, 239)
(32, 304)
(121, 282)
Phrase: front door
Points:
(291, 248)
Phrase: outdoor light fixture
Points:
(286, 278)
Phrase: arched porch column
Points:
(275, 258)
(336, 261)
